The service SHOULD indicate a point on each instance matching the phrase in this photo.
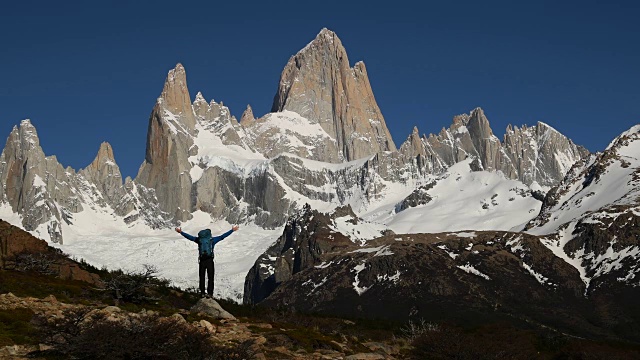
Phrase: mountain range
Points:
(326, 197)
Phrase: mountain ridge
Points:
(203, 166)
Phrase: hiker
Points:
(206, 242)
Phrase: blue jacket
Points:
(205, 241)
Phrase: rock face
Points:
(34, 185)
(105, 173)
(306, 237)
(14, 242)
(319, 84)
(169, 144)
(537, 154)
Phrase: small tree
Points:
(134, 286)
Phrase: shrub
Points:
(15, 327)
(85, 334)
(413, 330)
(39, 262)
(134, 286)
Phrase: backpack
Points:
(205, 243)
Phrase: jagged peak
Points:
(462, 119)
(324, 36)
(247, 116)
(27, 131)
(477, 115)
(477, 112)
(199, 98)
(175, 94)
(106, 149)
(634, 130)
(26, 123)
(542, 125)
(178, 70)
(415, 131)
(326, 32)
(104, 156)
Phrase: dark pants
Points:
(206, 265)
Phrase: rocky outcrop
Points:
(319, 84)
(19, 249)
(14, 241)
(308, 237)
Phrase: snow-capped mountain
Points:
(590, 219)
(202, 166)
(575, 267)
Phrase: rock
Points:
(51, 299)
(260, 340)
(178, 318)
(365, 356)
(262, 325)
(378, 347)
(207, 325)
(112, 309)
(339, 345)
(211, 308)
(259, 356)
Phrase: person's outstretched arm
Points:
(190, 237)
(217, 239)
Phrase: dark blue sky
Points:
(87, 72)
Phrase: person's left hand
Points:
(235, 228)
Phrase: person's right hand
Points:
(178, 230)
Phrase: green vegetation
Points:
(33, 284)
(16, 328)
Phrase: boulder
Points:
(211, 308)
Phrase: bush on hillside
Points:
(134, 286)
(39, 262)
(87, 334)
